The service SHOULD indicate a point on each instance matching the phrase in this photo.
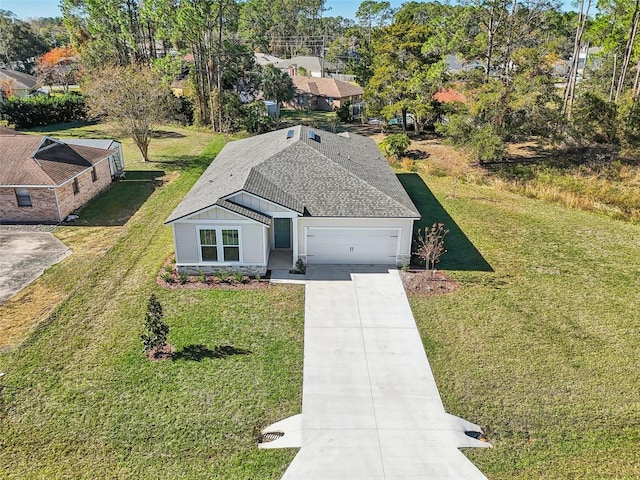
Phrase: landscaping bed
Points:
(168, 277)
(427, 283)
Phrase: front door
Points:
(282, 233)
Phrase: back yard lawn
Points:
(543, 351)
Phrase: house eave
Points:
(216, 205)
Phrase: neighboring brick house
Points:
(42, 180)
(324, 94)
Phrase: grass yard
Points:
(539, 345)
(104, 220)
(79, 399)
(543, 350)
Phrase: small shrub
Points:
(405, 266)
(237, 276)
(166, 276)
(202, 277)
(300, 266)
(168, 268)
(344, 112)
(154, 336)
(222, 275)
(395, 145)
(183, 278)
(257, 276)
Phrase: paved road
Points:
(370, 408)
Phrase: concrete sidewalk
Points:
(370, 408)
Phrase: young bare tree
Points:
(133, 98)
(431, 245)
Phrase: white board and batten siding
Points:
(260, 205)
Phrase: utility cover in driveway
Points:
(370, 407)
(23, 258)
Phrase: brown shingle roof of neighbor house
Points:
(9, 131)
(23, 81)
(312, 172)
(29, 160)
(326, 87)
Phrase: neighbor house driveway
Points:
(370, 405)
(24, 256)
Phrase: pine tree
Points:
(155, 332)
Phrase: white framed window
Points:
(231, 245)
(208, 245)
(219, 244)
(23, 197)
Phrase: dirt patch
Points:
(162, 353)
(427, 283)
(168, 278)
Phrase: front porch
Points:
(280, 260)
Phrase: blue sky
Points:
(50, 8)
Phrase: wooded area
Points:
(522, 67)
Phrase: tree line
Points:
(512, 68)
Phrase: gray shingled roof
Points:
(334, 176)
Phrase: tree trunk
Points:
(489, 46)
(613, 76)
(143, 146)
(219, 63)
(628, 51)
(634, 92)
(569, 90)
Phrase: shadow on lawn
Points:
(462, 254)
(198, 352)
(197, 163)
(121, 201)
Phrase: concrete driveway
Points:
(370, 408)
(23, 258)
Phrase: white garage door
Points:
(352, 246)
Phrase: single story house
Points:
(116, 160)
(263, 59)
(324, 94)
(43, 180)
(304, 65)
(16, 84)
(312, 195)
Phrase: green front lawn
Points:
(543, 350)
(539, 346)
(80, 400)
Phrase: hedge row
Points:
(31, 112)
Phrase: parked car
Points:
(397, 120)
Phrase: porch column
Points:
(294, 227)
